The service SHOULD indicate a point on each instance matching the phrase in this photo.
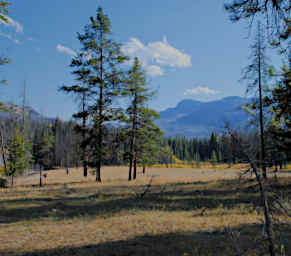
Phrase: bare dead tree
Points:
(268, 221)
(251, 150)
(3, 153)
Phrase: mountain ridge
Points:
(189, 118)
(10, 110)
(193, 118)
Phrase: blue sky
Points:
(189, 49)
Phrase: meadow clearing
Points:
(168, 211)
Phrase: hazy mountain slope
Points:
(11, 110)
(193, 118)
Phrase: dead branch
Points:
(278, 206)
(268, 222)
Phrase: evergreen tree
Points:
(197, 159)
(279, 101)
(105, 80)
(149, 139)
(166, 155)
(43, 151)
(19, 157)
(3, 11)
(213, 159)
(213, 145)
(138, 118)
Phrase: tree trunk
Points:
(263, 155)
(130, 168)
(268, 222)
(133, 141)
(98, 172)
(84, 127)
(101, 118)
(134, 169)
(40, 174)
(85, 169)
(3, 149)
(143, 169)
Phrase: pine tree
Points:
(3, 11)
(213, 159)
(197, 159)
(105, 80)
(280, 104)
(43, 151)
(19, 157)
(138, 118)
(149, 139)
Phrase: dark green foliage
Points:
(276, 14)
(213, 159)
(19, 157)
(224, 148)
(104, 77)
(43, 148)
(97, 71)
(3, 10)
(140, 128)
(150, 138)
(280, 104)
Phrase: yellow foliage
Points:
(203, 165)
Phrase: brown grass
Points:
(185, 212)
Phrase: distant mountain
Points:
(10, 110)
(192, 118)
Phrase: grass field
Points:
(183, 212)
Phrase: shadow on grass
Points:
(176, 197)
(217, 242)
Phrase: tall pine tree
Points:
(138, 118)
(105, 80)
(19, 157)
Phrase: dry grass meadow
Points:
(183, 212)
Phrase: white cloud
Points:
(10, 38)
(12, 23)
(65, 50)
(135, 48)
(154, 70)
(156, 53)
(166, 55)
(200, 90)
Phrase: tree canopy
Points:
(275, 13)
